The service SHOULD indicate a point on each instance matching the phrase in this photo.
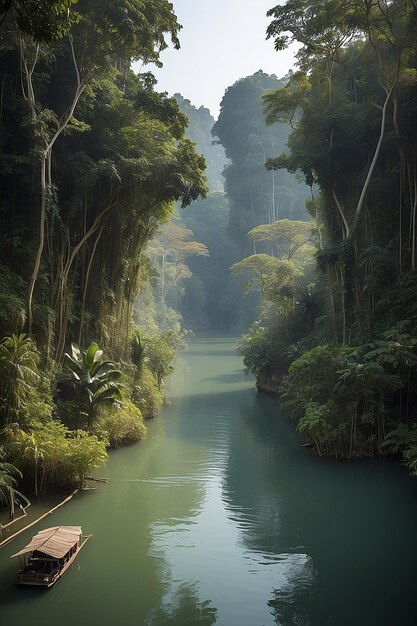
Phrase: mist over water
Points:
(221, 517)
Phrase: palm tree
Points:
(18, 369)
(94, 380)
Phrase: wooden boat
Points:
(49, 555)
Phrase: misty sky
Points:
(221, 41)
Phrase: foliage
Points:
(123, 163)
(8, 482)
(170, 251)
(338, 395)
(200, 123)
(367, 48)
(147, 394)
(18, 369)
(138, 351)
(94, 381)
(92, 160)
(120, 425)
(319, 423)
(12, 305)
(286, 236)
(410, 460)
(286, 313)
(53, 455)
(160, 352)
(255, 195)
(205, 304)
(400, 438)
(45, 20)
(264, 348)
(86, 452)
(209, 292)
(38, 407)
(351, 107)
(275, 278)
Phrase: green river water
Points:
(221, 517)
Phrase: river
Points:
(221, 517)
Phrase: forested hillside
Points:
(92, 160)
(255, 195)
(303, 232)
(348, 330)
(208, 327)
(200, 124)
(206, 300)
(212, 296)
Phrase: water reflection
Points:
(331, 524)
(291, 604)
(239, 577)
(221, 517)
(285, 533)
(182, 606)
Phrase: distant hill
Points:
(199, 131)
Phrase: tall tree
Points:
(358, 146)
(255, 196)
(18, 369)
(172, 247)
(121, 32)
(112, 158)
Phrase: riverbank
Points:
(221, 517)
(269, 384)
(11, 529)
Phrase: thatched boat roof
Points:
(54, 542)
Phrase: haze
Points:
(221, 41)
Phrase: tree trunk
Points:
(41, 242)
(46, 174)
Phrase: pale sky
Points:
(221, 41)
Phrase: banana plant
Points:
(95, 380)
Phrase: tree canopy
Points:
(351, 106)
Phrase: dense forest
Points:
(129, 217)
(92, 161)
(242, 195)
(337, 324)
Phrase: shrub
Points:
(160, 351)
(52, 455)
(147, 394)
(121, 425)
(38, 405)
(338, 396)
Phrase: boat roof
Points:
(55, 542)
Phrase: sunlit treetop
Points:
(323, 27)
(139, 28)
